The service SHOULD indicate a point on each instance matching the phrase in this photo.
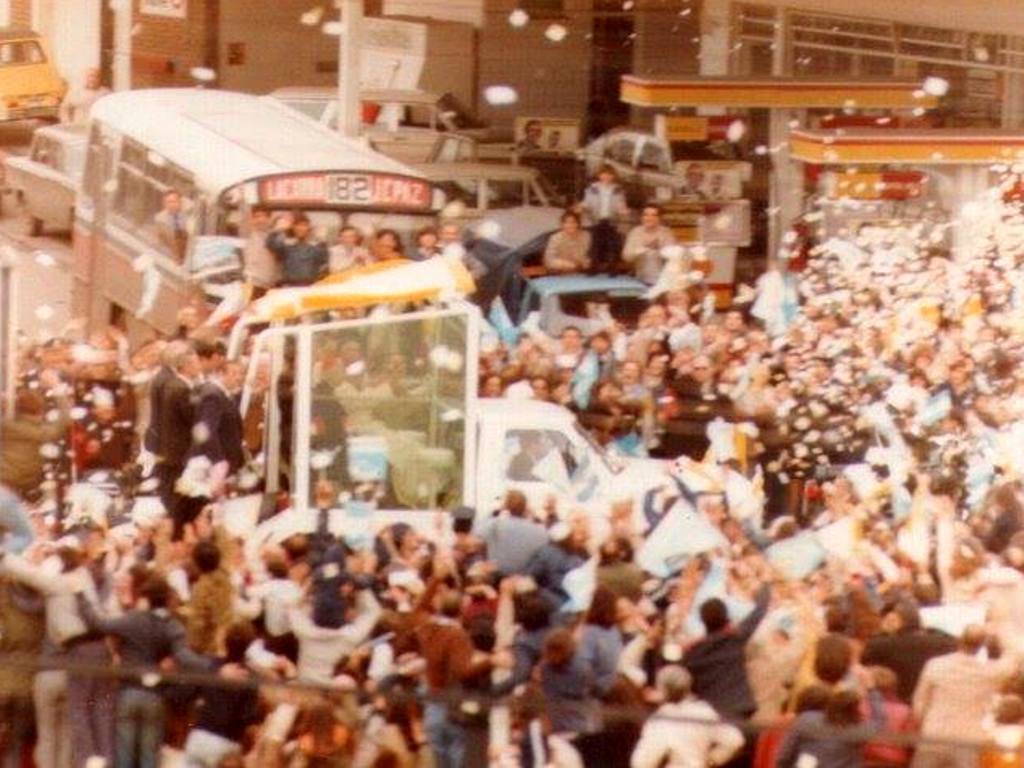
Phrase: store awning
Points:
(906, 147)
(775, 93)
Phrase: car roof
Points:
(65, 131)
(17, 33)
(523, 411)
(502, 171)
(553, 284)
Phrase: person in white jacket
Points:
(676, 736)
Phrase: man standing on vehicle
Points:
(604, 204)
(303, 258)
(645, 243)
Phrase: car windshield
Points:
(613, 463)
(625, 309)
(313, 109)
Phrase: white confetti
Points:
(500, 95)
(150, 289)
(358, 368)
(78, 413)
(556, 33)
(760, 149)
(312, 17)
(49, 451)
(451, 415)
(439, 356)
(936, 86)
(203, 74)
(200, 433)
(519, 18)
(981, 53)
(332, 28)
(320, 460)
(155, 158)
(44, 312)
(95, 762)
(488, 229)
(43, 259)
(736, 131)
(150, 680)
(627, 5)
(110, 187)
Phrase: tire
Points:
(35, 226)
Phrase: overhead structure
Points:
(787, 100)
(775, 93)
(935, 146)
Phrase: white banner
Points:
(174, 9)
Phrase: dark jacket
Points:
(151, 440)
(718, 664)
(221, 425)
(571, 696)
(906, 653)
(302, 261)
(147, 637)
(177, 415)
(846, 752)
(548, 567)
(21, 438)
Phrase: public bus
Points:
(225, 153)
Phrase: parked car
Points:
(515, 201)
(30, 86)
(645, 166)
(584, 301)
(46, 179)
(404, 124)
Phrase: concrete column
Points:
(350, 68)
(780, 39)
(714, 37)
(786, 191)
(122, 63)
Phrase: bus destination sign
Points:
(346, 190)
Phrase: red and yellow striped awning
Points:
(907, 147)
(775, 92)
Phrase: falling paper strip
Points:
(203, 74)
(519, 18)
(312, 17)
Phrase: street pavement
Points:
(43, 263)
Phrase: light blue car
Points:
(575, 300)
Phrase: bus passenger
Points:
(387, 246)
(303, 258)
(260, 264)
(348, 252)
(172, 226)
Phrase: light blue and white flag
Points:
(499, 318)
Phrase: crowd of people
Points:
(879, 602)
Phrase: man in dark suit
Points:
(718, 661)
(151, 439)
(174, 431)
(907, 650)
(218, 426)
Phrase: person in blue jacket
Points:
(303, 258)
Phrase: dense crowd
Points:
(139, 627)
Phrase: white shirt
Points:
(278, 597)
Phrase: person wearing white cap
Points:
(676, 736)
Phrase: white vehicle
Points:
(405, 387)
(46, 180)
(403, 124)
(515, 200)
(225, 153)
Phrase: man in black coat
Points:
(176, 418)
(907, 650)
(718, 662)
(218, 426)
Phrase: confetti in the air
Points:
(203, 74)
(43, 259)
(332, 28)
(936, 86)
(312, 17)
(556, 33)
(519, 18)
(735, 131)
(44, 312)
(488, 229)
(500, 95)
